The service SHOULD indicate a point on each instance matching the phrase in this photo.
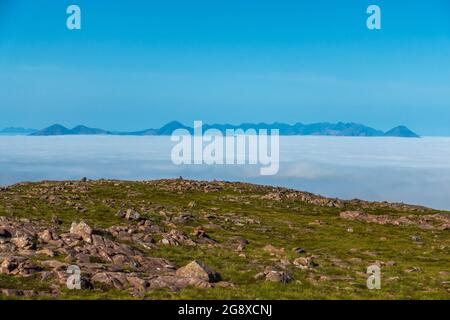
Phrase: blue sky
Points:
(138, 64)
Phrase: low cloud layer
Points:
(402, 170)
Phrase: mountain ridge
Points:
(60, 130)
(402, 131)
(12, 131)
(350, 129)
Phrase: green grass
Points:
(283, 224)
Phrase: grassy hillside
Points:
(238, 230)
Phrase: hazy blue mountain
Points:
(337, 129)
(171, 127)
(329, 129)
(401, 131)
(86, 130)
(16, 131)
(315, 129)
(166, 130)
(54, 130)
(59, 130)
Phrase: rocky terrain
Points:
(180, 239)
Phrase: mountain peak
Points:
(80, 129)
(171, 127)
(173, 124)
(53, 130)
(401, 131)
(57, 126)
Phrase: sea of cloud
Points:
(383, 169)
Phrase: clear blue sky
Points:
(138, 64)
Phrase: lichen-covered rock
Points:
(83, 230)
(272, 275)
(176, 283)
(114, 279)
(47, 236)
(176, 238)
(23, 242)
(132, 215)
(305, 262)
(8, 265)
(5, 233)
(197, 269)
(278, 276)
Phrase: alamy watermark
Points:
(73, 21)
(374, 278)
(232, 147)
(374, 20)
(74, 280)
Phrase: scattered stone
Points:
(8, 265)
(355, 260)
(26, 268)
(191, 204)
(273, 250)
(272, 275)
(176, 283)
(23, 242)
(260, 276)
(390, 264)
(132, 215)
(121, 214)
(176, 238)
(370, 253)
(445, 227)
(19, 293)
(46, 252)
(278, 276)
(202, 237)
(224, 284)
(46, 236)
(305, 263)
(82, 258)
(83, 230)
(317, 223)
(113, 279)
(54, 264)
(197, 269)
(183, 218)
(5, 233)
(238, 243)
(426, 222)
(336, 262)
(56, 220)
(299, 250)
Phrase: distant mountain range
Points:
(59, 130)
(298, 129)
(13, 131)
